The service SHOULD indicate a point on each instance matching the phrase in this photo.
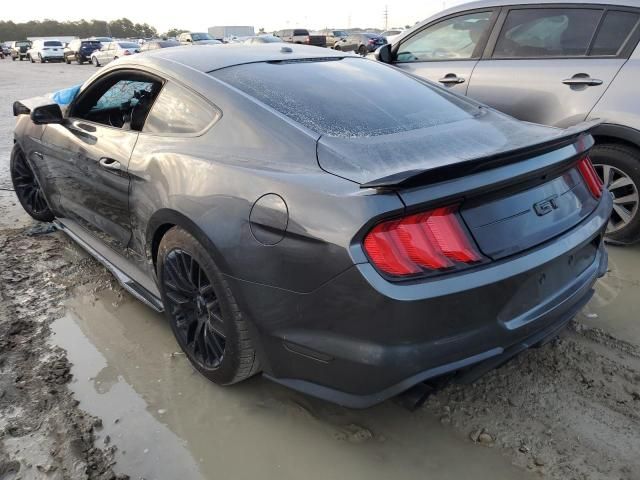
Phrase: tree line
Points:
(121, 28)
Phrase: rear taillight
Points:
(307, 40)
(590, 176)
(422, 243)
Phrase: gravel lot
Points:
(92, 385)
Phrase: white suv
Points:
(46, 51)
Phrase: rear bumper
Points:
(360, 339)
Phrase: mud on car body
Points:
(345, 243)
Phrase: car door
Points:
(551, 64)
(89, 153)
(101, 54)
(447, 49)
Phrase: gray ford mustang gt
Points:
(343, 227)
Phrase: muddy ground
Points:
(92, 385)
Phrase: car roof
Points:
(501, 3)
(207, 58)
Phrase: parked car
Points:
(354, 212)
(156, 44)
(332, 36)
(555, 64)
(102, 40)
(81, 50)
(362, 43)
(391, 35)
(263, 39)
(6, 48)
(46, 51)
(112, 51)
(19, 49)
(197, 38)
(302, 36)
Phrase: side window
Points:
(178, 111)
(614, 32)
(452, 39)
(547, 32)
(121, 101)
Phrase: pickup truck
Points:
(302, 36)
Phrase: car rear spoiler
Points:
(577, 134)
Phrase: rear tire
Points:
(202, 310)
(67, 61)
(621, 165)
(27, 188)
(95, 62)
(362, 50)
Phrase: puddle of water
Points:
(614, 305)
(173, 423)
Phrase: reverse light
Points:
(421, 243)
(590, 176)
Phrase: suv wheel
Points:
(362, 50)
(66, 60)
(95, 62)
(202, 311)
(619, 168)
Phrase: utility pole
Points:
(386, 17)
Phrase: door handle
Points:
(582, 79)
(451, 79)
(110, 164)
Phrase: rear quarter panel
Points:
(215, 179)
(620, 104)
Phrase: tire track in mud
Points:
(568, 410)
(43, 432)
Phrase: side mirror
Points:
(45, 114)
(383, 53)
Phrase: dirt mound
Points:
(43, 433)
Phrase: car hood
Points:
(367, 159)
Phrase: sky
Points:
(269, 14)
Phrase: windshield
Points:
(347, 97)
(128, 45)
(91, 44)
(52, 43)
(339, 33)
(200, 36)
(23, 44)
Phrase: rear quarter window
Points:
(614, 33)
(178, 111)
(300, 32)
(347, 97)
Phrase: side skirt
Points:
(147, 297)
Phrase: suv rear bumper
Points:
(360, 339)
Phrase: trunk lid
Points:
(516, 185)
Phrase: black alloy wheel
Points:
(202, 311)
(27, 188)
(195, 308)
